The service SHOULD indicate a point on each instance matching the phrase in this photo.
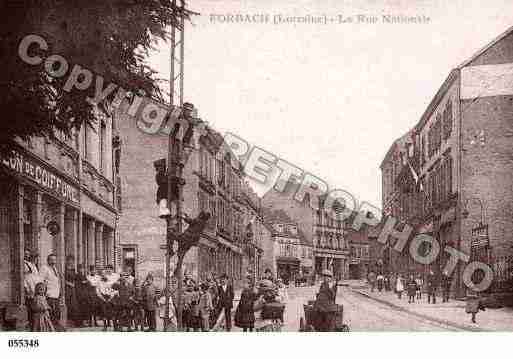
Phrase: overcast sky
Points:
(329, 98)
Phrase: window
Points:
(447, 120)
(103, 149)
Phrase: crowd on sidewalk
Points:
(119, 301)
(413, 285)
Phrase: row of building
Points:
(90, 196)
(450, 175)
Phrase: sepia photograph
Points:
(338, 168)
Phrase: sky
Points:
(330, 97)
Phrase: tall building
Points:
(331, 250)
(214, 183)
(449, 176)
(293, 251)
(58, 196)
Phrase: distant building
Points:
(450, 175)
(324, 231)
(293, 251)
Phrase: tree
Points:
(111, 38)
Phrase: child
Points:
(205, 307)
(474, 305)
(41, 310)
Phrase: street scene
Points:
(196, 166)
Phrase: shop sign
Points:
(41, 175)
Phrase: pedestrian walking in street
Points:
(195, 309)
(372, 280)
(53, 281)
(41, 310)
(432, 284)
(473, 306)
(399, 286)
(446, 286)
(226, 296)
(380, 282)
(420, 284)
(245, 313)
(150, 303)
(170, 324)
(411, 288)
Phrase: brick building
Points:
(450, 176)
(214, 183)
(67, 182)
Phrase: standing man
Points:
(53, 280)
(150, 302)
(325, 303)
(432, 283)
(31, 278)
(225, 302)
(372, 280)
(446, 287)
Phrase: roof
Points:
(485, 48)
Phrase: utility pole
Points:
(175, 166)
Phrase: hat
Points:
(327, 273)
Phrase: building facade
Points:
(66, 182)
(294, 254)
(449, 176)
(214, 183)
(324, 231)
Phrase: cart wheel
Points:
(301, 324)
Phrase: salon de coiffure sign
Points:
(30, 169)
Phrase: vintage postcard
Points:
(255, 166)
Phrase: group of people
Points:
(413, 284)
(121, 302)
(96, 294)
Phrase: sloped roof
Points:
(486, 48)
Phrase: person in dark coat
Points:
(82, 291)
(411, 288)
(446, 287)
(432, 284)
(325, 304)
(70, 276)
(150, 304)
(245, 313)
(123, 303)
(473, 306)
(225, 301)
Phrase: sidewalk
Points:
(451, 313)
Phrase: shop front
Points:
(39, 211)
(288, 268)
(43, 210)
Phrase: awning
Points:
(289, 260)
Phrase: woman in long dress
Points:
(41, 311)
(245, 313)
